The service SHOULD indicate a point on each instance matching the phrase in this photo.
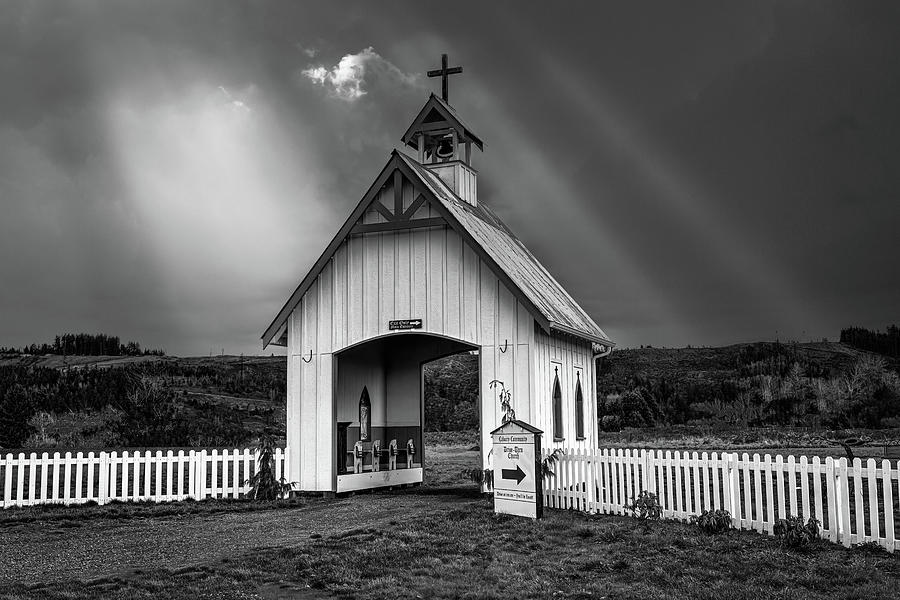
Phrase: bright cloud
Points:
(347, 80)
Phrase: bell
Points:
(445, 148)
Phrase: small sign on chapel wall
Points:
(405, 324)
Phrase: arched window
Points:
(557, 407)
(365, 416)
(579, 407)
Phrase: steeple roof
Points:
(438, 114)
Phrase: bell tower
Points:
(443, 142)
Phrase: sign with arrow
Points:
(405, 324)
(518, 474)
(517, 484)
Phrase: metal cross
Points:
(443, 73)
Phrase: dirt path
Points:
(51, 551)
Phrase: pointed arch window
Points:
(579, 407)
(557, 407)
(365, 416)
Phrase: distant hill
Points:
(759, 384)
(727, 361)
(88, 402)
(91, 402)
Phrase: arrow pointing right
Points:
(518, 474)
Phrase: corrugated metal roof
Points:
(511, 255)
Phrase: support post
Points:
(103, 490)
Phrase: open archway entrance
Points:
(452, 418)
(379, 408)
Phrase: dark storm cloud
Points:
(692, 172)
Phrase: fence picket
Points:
(858, 501)
(872, 479)
(806, 509)
(747, 512)
(832, 483)
(247, 473)
(779, 486)
(103, 476)
(843, 502)
(158, 460)
(888, 493)
(734, 491)
(678, 489)
(759, 518)
(235, 474)
(817, 470)
(20, 480)
(695, 469)
(148, 464)
(32, 475)
(715, 470)
(791, 477)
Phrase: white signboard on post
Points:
(518, 488)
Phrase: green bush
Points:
(646, 506)
(792, 532)
(713, 521)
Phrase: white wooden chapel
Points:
(421, 269)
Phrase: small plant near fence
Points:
(645, 506)
(483, 477)
(264, 485)
(548, 462)
(713, 521)
(794, 534)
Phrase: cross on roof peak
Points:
(444, 72)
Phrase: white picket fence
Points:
(854, 503)
(151, 475)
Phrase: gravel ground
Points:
(53, 551)
(49, 550)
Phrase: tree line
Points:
(764, 384)
(137, 405)
(85, 344)
(887, 343)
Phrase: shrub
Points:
(793, 533)
(483, 477)
(646, 506)
(264, 485)
(713, 521)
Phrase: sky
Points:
(694, 173)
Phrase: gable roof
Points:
(559, 309)
(443, 111)
(551, 306)
(517, 424)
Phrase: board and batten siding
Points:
(570, 354)
(373, 278)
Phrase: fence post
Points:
(7, 480)
(843, 502)
(103, 491)
(191, 491)
(201, 475)
(734, 490)
(591, 497)
(648, 476)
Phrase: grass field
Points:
(438, 541)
